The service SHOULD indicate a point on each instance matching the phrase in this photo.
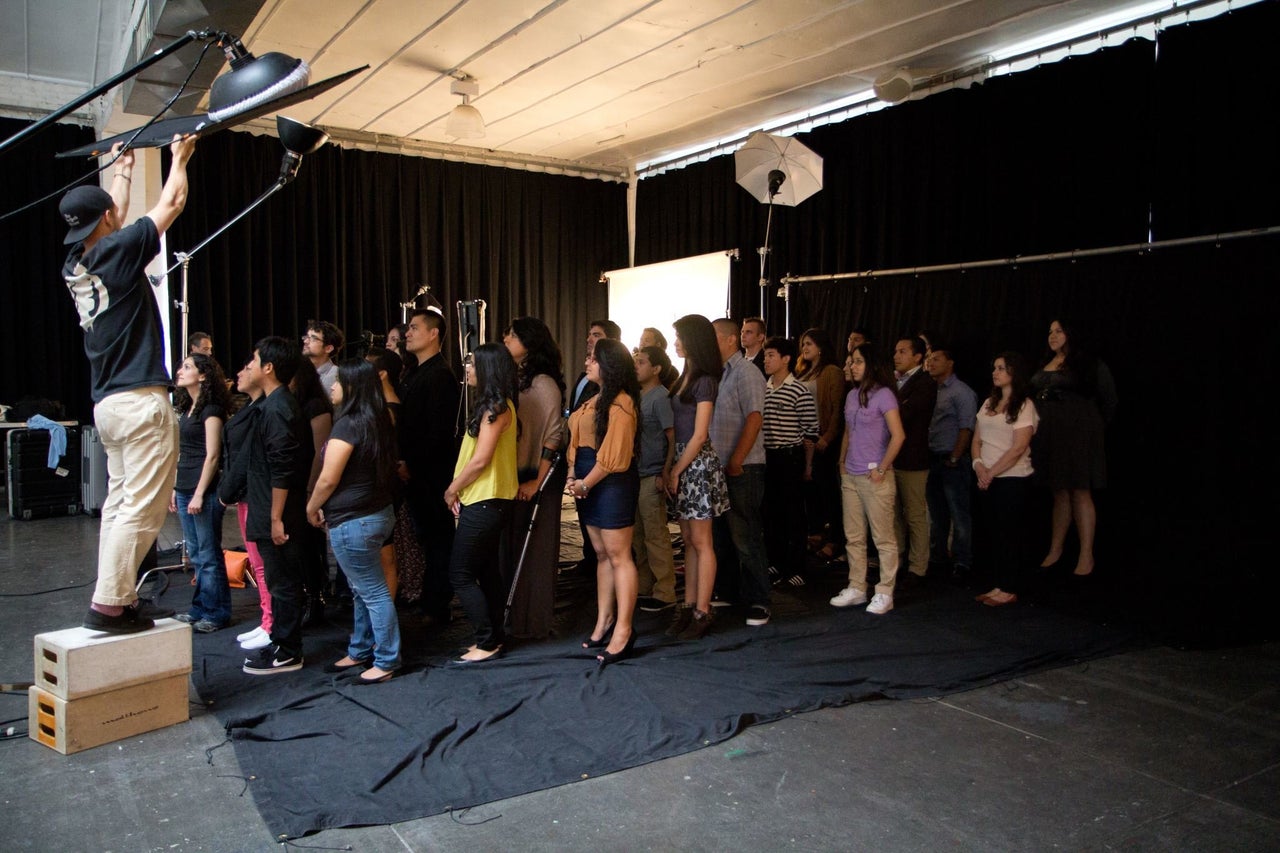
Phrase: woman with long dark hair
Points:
(317, 411)
(1002, 460)
(694, 479)
(819, 368)
(1075, 397)
(195, 491)
(540, 412)
(352, 498)
(483, 489)
(606, 483)
(872, 439)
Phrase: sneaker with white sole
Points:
(849, 596)
(259, 642)
(249, 635)
(270, 660)
(757, 615)
(880, 604)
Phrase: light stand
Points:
(776, 178)
(470, 336)
(298, 140)
(406, 307)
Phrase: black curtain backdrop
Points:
(357, 232)
(1112, 148)
(41, 348)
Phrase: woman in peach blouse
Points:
(606, 484)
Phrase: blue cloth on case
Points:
(57, 437)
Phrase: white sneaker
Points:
(880, 604)
(849, 597)
(259, 642)
(249, 635)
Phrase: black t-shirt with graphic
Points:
(122, 334)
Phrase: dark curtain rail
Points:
(1075, 254)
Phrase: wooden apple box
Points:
(72, 726)
(78, 662)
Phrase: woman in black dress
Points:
(1075, 396)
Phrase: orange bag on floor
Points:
(237, 563)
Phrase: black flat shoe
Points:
(589, 643)
(606, 657)
(386, 676)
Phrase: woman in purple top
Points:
(872, 438)
(693, 476)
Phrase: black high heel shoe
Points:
(589, 643)
(606, 657)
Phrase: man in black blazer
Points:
(917, 394)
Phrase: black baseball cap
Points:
(82, 207)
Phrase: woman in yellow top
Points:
(606, 483)
(480, 496)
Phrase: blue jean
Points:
(949, 496)
(744, 543)
(375, 628)
(203, 535)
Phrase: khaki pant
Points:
(911, 521)
(140, 435)
(655, 564)
(864, 503)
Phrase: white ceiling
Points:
(601, 84)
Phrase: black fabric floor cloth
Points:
(324, 753)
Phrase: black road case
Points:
(36, 490)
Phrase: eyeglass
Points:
(311, 336)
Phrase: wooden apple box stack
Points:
(92, 688)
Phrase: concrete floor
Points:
(1158, 749)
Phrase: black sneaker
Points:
(649, 604)
(269, 660)
(206, 626)
(758, 615)
(128, 622)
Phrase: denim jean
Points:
(203, 536)
(474, 570)
(949, 493)
(375, 629)
(739, 536)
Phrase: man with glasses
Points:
(320, 344)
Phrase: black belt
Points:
(790, 448)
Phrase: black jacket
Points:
(277, 452)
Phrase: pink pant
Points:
(255, 564)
